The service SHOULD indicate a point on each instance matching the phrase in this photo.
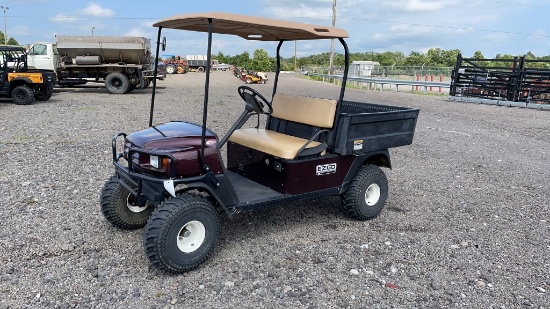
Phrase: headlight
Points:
(158, 162)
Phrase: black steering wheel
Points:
(251, 96)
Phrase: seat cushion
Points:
(311, 111)
(273, 143)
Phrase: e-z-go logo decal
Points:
(326, 169)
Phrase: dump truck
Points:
(121, 63)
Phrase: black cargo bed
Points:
(364, 127)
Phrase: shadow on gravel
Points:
(314, 214)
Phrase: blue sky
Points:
(493, 27)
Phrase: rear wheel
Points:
(44, 92)
(22, 95)
(171, 69)
(121, 208)
(182, 233)
(117, 83)
(200, 69)
(367, 193)
(248, 80)
(181, 69)
(131, 88)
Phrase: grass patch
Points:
(23, 138)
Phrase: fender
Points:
(222, 193)
(18, 80)
(379, 158)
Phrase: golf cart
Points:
(171, 177)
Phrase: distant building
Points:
(364, 68)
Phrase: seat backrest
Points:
(310, 111)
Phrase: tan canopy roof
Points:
(251, 28)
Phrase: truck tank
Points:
(104, 49)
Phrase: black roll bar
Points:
(154, 79)
(206, 87)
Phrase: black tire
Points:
(366, 195)
(43, 92)
(22, 95)
(117, 83)
(248, 80)
(200, 69)
(120, 208)
(131, 88)
(171, 69)
(182, 233)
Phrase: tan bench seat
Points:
(274, 143)
(315, 112)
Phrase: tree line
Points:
(434, 57)
(11, 41)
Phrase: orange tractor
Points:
(175, 64)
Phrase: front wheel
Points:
(181, 233)
(121, 208)
(171, 69)
(367, 193)
(22, 95)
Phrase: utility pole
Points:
(93, 31)
(331, 65)
(5, 8)
(294, 56)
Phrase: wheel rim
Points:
(132, 205)
(21, 96)
(116, 83)
(372, 194)
(191, 236)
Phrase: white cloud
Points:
(419, 5)
(136, 32)
(19, 30)
(63, 18)
(96, 10)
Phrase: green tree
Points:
(242, 60)
(11, 41)
(478, 55)
(416, 59)
(261, 61)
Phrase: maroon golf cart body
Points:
(171, 178)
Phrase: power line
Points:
(510, 3)
(428, 25)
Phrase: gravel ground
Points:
(466, 223)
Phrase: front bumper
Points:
(145, 187)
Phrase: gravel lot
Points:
(466, 223)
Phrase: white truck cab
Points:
(43, 56)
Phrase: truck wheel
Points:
(200, 69)
(22, 95)
(170, 69)
(120, 207)
(117, 83)
(367, 193)
(181, 233)
(131, 88)
(44, 92)
(181, 69)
